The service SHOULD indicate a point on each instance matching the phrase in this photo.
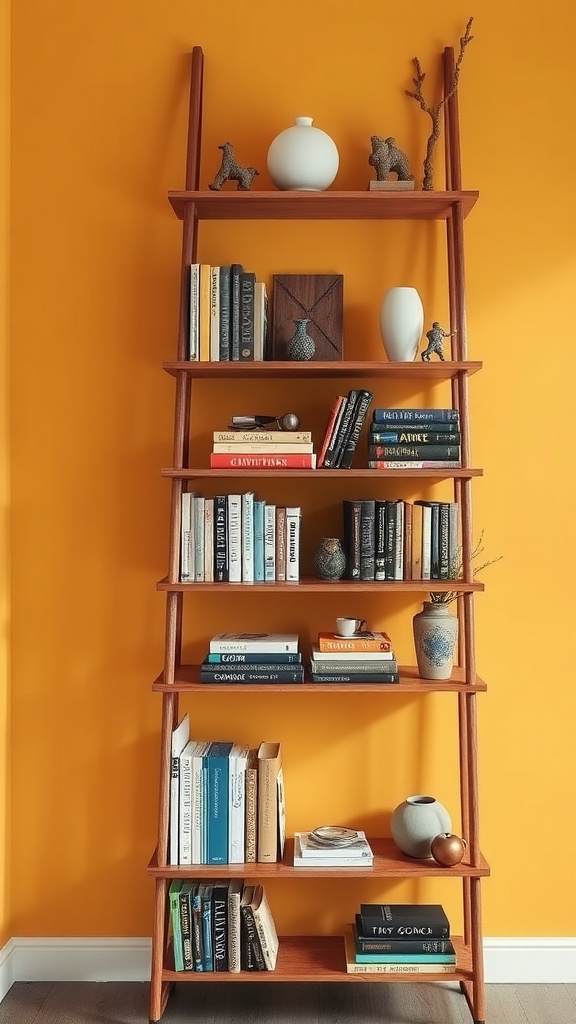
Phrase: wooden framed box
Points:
(319, 297)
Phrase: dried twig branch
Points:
(434, 111)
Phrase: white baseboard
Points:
(512, 961)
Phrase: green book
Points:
(174, 902)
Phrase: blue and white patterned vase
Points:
(435, 637)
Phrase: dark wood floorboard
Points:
(279, 1003)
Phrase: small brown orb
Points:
(448, 849)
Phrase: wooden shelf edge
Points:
(188, 681)
(323, 474)
(389, 862)
(435, 372)
(322, 958)
(312, 585)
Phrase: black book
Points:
(345, 427)
(253, 659)
(224, 302)
(380, 944)
(425, 427)
(413, 452)
(247, 288)
(415, 416)
(250, 928)
(380, 435)
(380, 539)
(404, 920)
(220, 925)
(390, 540)
(357, 422)
(236, 270)
(351, 509)
(186, 925)
(221, 538)
(367, 539)
(444, 540)
(274, 673)
(435, 541)
(356, 677)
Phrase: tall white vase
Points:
(303, 157)
(401, 324)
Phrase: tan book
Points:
(268, 770)
(265, 927)
(251, 806)
(280, 543)
(255, 447)
(282, 437)
(204, 316)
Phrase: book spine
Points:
(199, 538)
(397, 968)
(354, 667)
(185, 811)
(206, 912)
(197, 943)
(251, 807)
(398, 511)
(435, 541)
(259, 507)
(407, 452)
(218, 787)
(220, 538)
(266, 929)
(293, 525)
(409, 416)
(334, 411)
(444, 527)
(453, 539)
(193, 327)
(234, 897)
(228, 675)
(414, 464)
(359, 415)
(215, 314)
(427, 437)
(264, 667)
(247, 287)
(351, 644)
(186, 537)
(174, 904)
(224, 312)
(275, 437)
(268, 768)
(248, 537)
(356, 677)
(198, 802)
(220, 928)
(262, 448)
(245, 460)
(407, 552)
(344, 429)
(236, 801)
(269, 543)
(424, 427)
(367, 539)
(331, 452)
(280, 543)
(204, 311)
(351, 513)
(252, 932)
(186, 930)
(235, 274)
(209, 540)
(269, 660)
(380, 535)
(374, 927)
(261, 646)
(234, 538)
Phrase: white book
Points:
(209, 540)
(186, 536)
(293, 519)
(254, 643)
(180, 738)
(238, 758)
(426, 542)
(185, 804)
(342, 861)
(309, 850)
(269, 543)
(399, 545)
(248, 537)
(199, 538)
(215, 314)
(318, 655)
(198, 802)
(234, 538)
(194, 326)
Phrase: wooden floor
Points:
(127, 1003)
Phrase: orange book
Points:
(204, 311)
(360, 642)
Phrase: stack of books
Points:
(228, 314)
(253, 658)
(311, 852)
(400, 938)
(262, 449)
(221, 925)
(414, 439)
(344, 427)
(363, 658)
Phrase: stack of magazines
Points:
(332, 847)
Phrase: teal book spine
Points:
(218, 785)
(174, 901)
(405, 958)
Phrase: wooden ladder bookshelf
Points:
(322, 958)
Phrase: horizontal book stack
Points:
(400, 938)
(265, 658)
(309, 852)
(262, 449)
(226, 801)
(238, 538)
(221, 925)
(400, 540)
(365, 657)
(343, 429)
(228, 314)
(414, 439)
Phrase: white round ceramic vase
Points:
(303, 157)
(416, 822)
(401, 323)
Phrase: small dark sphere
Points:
(289, 421)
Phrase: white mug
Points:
(348, 627)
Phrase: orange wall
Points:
(99, 104)
(4, 462)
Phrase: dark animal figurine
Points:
(386, 157)
(435, 339)
(231, 171)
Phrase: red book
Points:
(227, 460)
(330, 427)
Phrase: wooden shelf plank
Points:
(432, 371)
(188, 681)
(389, 862)
(322, 958)
(234, 205)
(312, 585)
(322, 474)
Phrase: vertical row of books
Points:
(238, 538)
(221, 925)
(228, 314)
(262, 449)
(343, 429)
(400, 540)
(414, 439)
(400, 938)
(226, 801)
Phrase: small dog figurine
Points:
(232, 171)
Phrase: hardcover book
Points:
(401, 416)
(365, 641)
(354, 967)
(353, 656)
(245, 460)
(319, 298)
(404, 920)
(265, 927)
(399, 955)
(235, 888)
(174, 904)
(269, 766)
(254, 643)
(180, 738)
(381, 944)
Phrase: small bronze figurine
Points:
(435, 338)
(386, 157)
(231, 171)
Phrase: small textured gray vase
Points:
(330, 560)
(416, 822)
(435, 636)
(301, 346)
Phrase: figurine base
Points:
(390, 186)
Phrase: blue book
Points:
(259, 540)
(205, 894)
(415, 416)
(218, 786)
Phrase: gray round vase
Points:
(435, 637)
(301, 346)
(330, 560)
(416, 822)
